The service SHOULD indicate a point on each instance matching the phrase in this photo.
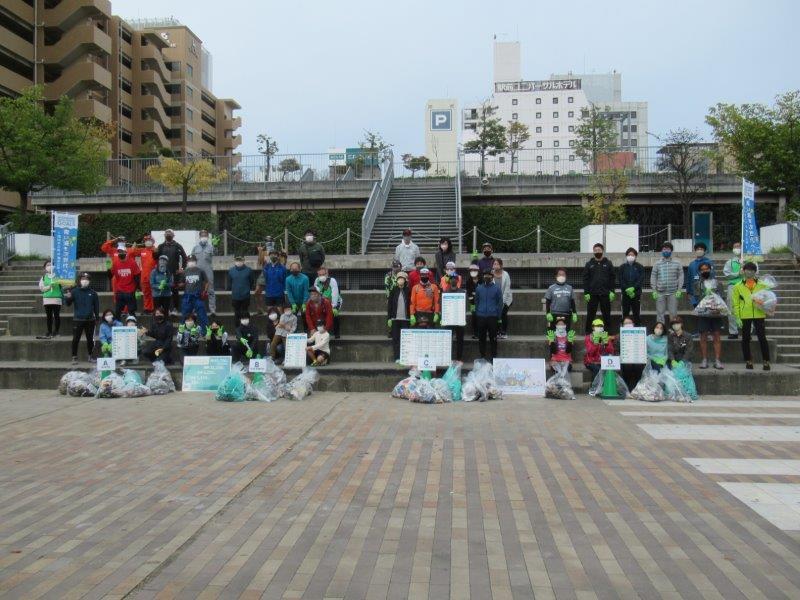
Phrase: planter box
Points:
(618, 237)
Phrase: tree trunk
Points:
(687, 218)
(483, 164)
(23, 201)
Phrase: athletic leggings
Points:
(53, 312)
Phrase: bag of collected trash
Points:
(711, 305)
(66, 378)
(160, 381)
(112, 386)
(131, 377)
(479, 384)
(613, 389)
(672, 389)
(302, 385)
(766, 300)
(683, 374)
(233, 387)
(414, 389)
(274, 373)
(134, 388)
(769, 281)
(453, 378)
(559, 385)
(77, 384)
(441, 391)
(649, 388)
(261, 389)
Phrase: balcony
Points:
(78, 41)
(153, 56)
(15, 45)
(89, 108)
(155, 107)
(152, 79)
(77, 77)
(231, 142)
(153, 129)
(71, 12)
(20, 9)
(13, 81)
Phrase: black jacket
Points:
(631, 276)
(87, 304)
(250, 333)
(175, 254)
(598, 277)
(470, 286)
(442, 258)
(391, 310)
(162, 333)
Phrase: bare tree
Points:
(517, 133)
(685, 160)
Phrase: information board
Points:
(295, 351)
(124, 343)
(454, 309)
(436, 343)
(633, 345)
(204, 373)
(520, 375)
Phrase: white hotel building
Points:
(551, 108)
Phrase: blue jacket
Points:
(241, 282)
(297, 288)
(156, 277)
(693, 275)
(488, 300)
(275, 279)
(631, 275)
(105, 330)
(87, 304)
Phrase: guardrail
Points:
(458, 204)
(7, 246)
(794, 234)
(377, 201)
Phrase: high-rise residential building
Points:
(552, 109)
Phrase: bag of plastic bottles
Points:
(441, 391)
(559, 385)
(766, 300)
(414, 389)
(234, 386)
(683, 374)
(274, 373)
(302, 385)
(649, 388)
(711, 305)
(453, 378)
(160, 381)
(261, 389)
(672, 389)
(113, 386)
(480, 385)
(77, 384)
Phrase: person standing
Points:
(203, 253)
(487, 260)
(148, 261)
(598, 286)
(503, 279)
(451, 284)
(413, 276)
(162, 284)
(693, 272)
(666, 279)
(559, 301)
(329, 288)
(312, 255)
(706, 285)
(425, 306)
(176, 262)
(473, 281)
(240, 279)
(274, 280)
(398, 311)
(733, 276)
(488, 312)
(631, 280)
(85, 315)
(749, 316)
(128, 280)
(297, 291)
(390, 279)
(52, 294)
(406, 252)
(444, 255)
(194, 292)
(110, 248)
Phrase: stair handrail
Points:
(377, 200)
(458, 202)
(794, 234)
(7, 244)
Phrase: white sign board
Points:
(124, 343)
(633, 345)
(295, 351)
(609, 363)
(258, 365)
(435, 343)
(106, 364)
(520, 375)
(454, 309)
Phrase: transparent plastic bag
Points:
(302, 385)
(414, 389)
(683, 373)
(620, 389)
(766, 300)
(479, 384)
(711, 305)
(233, 387)
(441, 391)
(769, 281)
(113, 386)
(67, 378)
(559, 385)
(160, 381)
(275, 373)
(261, 389)
(671, 387)
(649, 387)
(77, 384)
(453, 378)
(131, 377)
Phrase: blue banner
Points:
(65, 245)
(751, 239)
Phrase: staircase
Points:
(430, 210)
(784, 327)
(19, 290)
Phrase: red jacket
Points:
(595, 351)
(413, 278)
(147, 259)
(323, 311)
(125, 273)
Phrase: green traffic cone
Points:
(609, 390)
(427, 375)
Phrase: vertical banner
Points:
(64, 245)
(751, 239)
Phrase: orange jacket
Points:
(425, 299)
(147, 259)
(445, 284)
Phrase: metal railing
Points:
(7, 245)
(794, 234)
(377, 201)
(458, 205)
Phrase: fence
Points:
(7, 248)
(794, 234)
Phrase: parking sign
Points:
(441, 120)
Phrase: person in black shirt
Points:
(598, 286)
(162, 332)
(85, 315)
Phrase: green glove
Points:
(208, 334)
(604, 337)
(436, 318)
(215, 240)
(303, 307)
(475, 255)
(294, 308)
(574, 317)
(549, 317)
(194, 330)
(137, 294)
(660, 360)
(551, 336)
(249, 354)
(335, 312)
(675, 363)
(106, 348)
(163, 285)
(571, 336)
(389, 323)
(630, 291)
(679, 294)
(738, 322)
(220, 331)
(499, 321)
(181, 328)
(108, 264)
(587, 297)
(413, 320)
(472, 308)
(244, 342)
(596, 337)
(655, 295)
(612, 296)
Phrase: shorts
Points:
(709, 324)
(320, 353)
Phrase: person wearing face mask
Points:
(748, 314)
(189, 336)
(444, 255)
(488, 311)
(630, 372)
(451, 284)
(679, 344)
(195, 290)
(148, 261)
(128, 281)
(631, 279)
(287, 323)
(318, 308)
(487, 259)
(217, 340)
(597, 344)
(329, 288)
(297, 285)
(162, 333)
(657, 347)
(390, 279)
(245, 346)
(50, 287)
(406, 252)
(706, 285)
(666, 279)
(503, 279)
(106, 333)
(398, 311)
(240, 280)
(312, 255)
(176, 262)
(472, 283)
(110, 248)
(693, 272)
(203, 253)
(559, 301)
(598, 286)
(560, 341)
(425, 305)
(733, 276)
(319, 345)
(413, 276)
(162, 284)
(274, 280)
(85, 314)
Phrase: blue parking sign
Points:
(442, 120)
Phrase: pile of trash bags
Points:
(559, 385)
(117, 384)
(673, 385)
(79, 384)
(127, 385)
(238, 386)
(711, 305)
(302, 385)
(480, 385)
(620, 389)
(415, 389)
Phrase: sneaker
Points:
(766, 366)
(474, 337)
(718, 365)
(74, 360)
(46, 336)
(704, 364)
(749, 365)
(733, 336)
(398, 362)
(337, 336)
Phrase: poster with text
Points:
(296, 344)
(204, 373)
(633, 345)
(124, 343)
(520, 376)
(64, 245)
(454, 309)
(434, 343)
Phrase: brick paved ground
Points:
(362, 496)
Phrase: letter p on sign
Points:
(441, 120)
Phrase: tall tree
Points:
(375, 148)
(517, 133)
(684, 160)
(416, 163)
(42, 148)
(189, 177)
(269, 148)
(595, 135)
(288, 165)
(764, 141)
(491, 135)
(606, 202)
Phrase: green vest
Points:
(55, 287)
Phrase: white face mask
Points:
(658, 332)
(323, 278)
(148, 244)
(561, 279)
(189, 324)
(320, 328)
(191, 264)
(561, 331)
(407, 241)
(597, 329)
(627, 324)
(700, 253)
(49, 268)
(245, 322)
(109, 318)
(84, 283)
(677, 328)
(239, 263)
(309, 238)
(473, 273)
(204, 240)
(273, 317)
(443, 246)
(737, 251)
(630, 258)
(288, 313)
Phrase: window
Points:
(501, 159)
(514, 116)
(571, 114)
(570, 100)
(556, 173)
(189, 136)
(126, 110)
(538, 101)
(571, 128)
(143, 41)
(555, 99)
(555, 129)
(125, 60)
(538, 115)
(633, 128)
(555, 114)
(633, 114)
(125, 35)
(173, 111)
(555, 158)
(539, 159)
(538, 130)
(538, 172)
(189, 91)
(189, 114)
(126, 136)
(472, 126)
(624, 143)
(514, 102)
(624, 128)
(174, 66)
(538, 143)
(571, 158)
(189, 70)
(556, 143)
(634, 142)
(571, 143)
(125, 85)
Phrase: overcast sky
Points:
(316, 74)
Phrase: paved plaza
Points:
(363, 496)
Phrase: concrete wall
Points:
(773, 236)
(30, 244)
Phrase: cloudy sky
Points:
(316, 74)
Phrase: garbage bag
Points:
(559, 385)
(711, 306)
(302, 385)
(160, 381)
(769, 281)
(275, 373)
(683, 374)
(649, 387)
(131, 377)
(261, 389)
(617, 390)
(67, 378)
(766, 300)
(78, 384)
(479, 384)
(233, 387)
(113, 386)
(453, 378)
(414, 389)
(441, 391)
(671, 387)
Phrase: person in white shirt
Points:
(319, 348)
(406, 252)
(503, 279)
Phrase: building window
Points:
(556, 173)
(538, 130)
(125, 35)
(571, 114)
(571, 128)
(126, 110)
(125, 60)
(634, 142)
(189, 136)
(555, 114)
(538, 115)
(126, 136)
(624, 128)
(571, 143)
(624, 142)
(501, 159)
(189, 70)
(633, 128)
(143, 41)
(125, 85)
(472, 126)
(189, 114)
(572, 158)
(189, 91)
(539, 158)
(555, 99)
(555, 158)
(555, 129)
(538, 143)
(538, 101)
(538, 172)
(633, 114)
(570, 100)
(514, 116)
(514, 102)
(173, 111)
(556, 143)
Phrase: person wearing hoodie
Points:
(176, 262)
(472, 283)
(679, 343)
(161, 284)
(666, 279)
(749, 315)
(128, 281)
(398, 311)
(84, 316)
(488, 311)
(106, 333)
(598, 286)
(312, 255)
(240, 280)
(245, 344)
(693, 271)
(50, 287)
(162, 332)
(318, 307)
(425, 305)
(444, 255)
(390, 279)
(631, 280)
(329, 288)
(451, 284)
(319, 345)
(413, 276)
(559, 301)
(203, 253)
(189, 336)
(297, 285)
(657, 347)
(597, 344)
(406, 252)
(275, 274)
